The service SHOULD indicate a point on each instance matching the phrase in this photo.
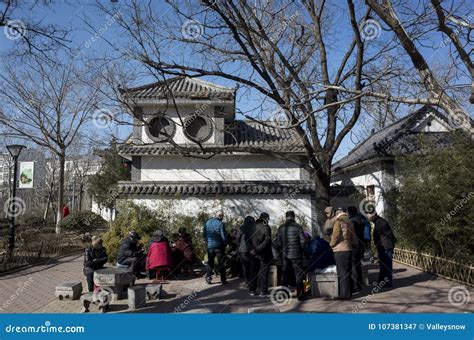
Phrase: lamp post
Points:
(14, 151)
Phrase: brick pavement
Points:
(414, 292)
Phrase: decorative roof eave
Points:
(145, 150)
(179, 87)
(139, 189)
(340, 170)
(179, 100)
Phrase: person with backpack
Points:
(290, 241)
(341, 244)
(357, 252)
(215, 237)
(261, 256)
(95, 257)
(244, 246)
(384, 241)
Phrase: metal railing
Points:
(22, 257)
(448, 269)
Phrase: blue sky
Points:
(71, 15)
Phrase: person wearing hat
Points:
(95, 257)
(160, 255)
(341, 244)
(130, 253)
(329, 223)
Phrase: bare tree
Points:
(47, 104)
(284, 54)
(21, 24)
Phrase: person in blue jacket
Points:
(319, 253)
(215, 237)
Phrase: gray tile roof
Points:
(126, 189)
(393, 139)
(180, 87)
(238, 136)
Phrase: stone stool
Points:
(101, 299)
(153, 291)
(69, 290)
(324, 284)
(272, 276)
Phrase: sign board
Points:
(26, 175)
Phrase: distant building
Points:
(45, 181)
(370, 169)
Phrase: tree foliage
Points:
(103, 184)
(434, 201)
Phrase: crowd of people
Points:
(248, 252)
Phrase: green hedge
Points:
(81, 222)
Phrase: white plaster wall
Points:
(364, 177)
(218, 168)
(436, 125)
(105, 213)
(237, 205)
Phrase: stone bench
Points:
(117, 280)
(69, 290)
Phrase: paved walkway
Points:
(32, 290)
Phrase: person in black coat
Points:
(131, 253)
(95, 257)
(384, 241)
(358, 248)
(290, 241)
(244, 246)
(261, 257)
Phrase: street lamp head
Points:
(15, 149)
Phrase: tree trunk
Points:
(62, 161)
(322, 180)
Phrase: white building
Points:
(371, 167)
(189, 151)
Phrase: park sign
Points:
(26, 175)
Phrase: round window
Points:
(197, 128)
(161, 128)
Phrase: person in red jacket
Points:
(65, 211)
(159, 256)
